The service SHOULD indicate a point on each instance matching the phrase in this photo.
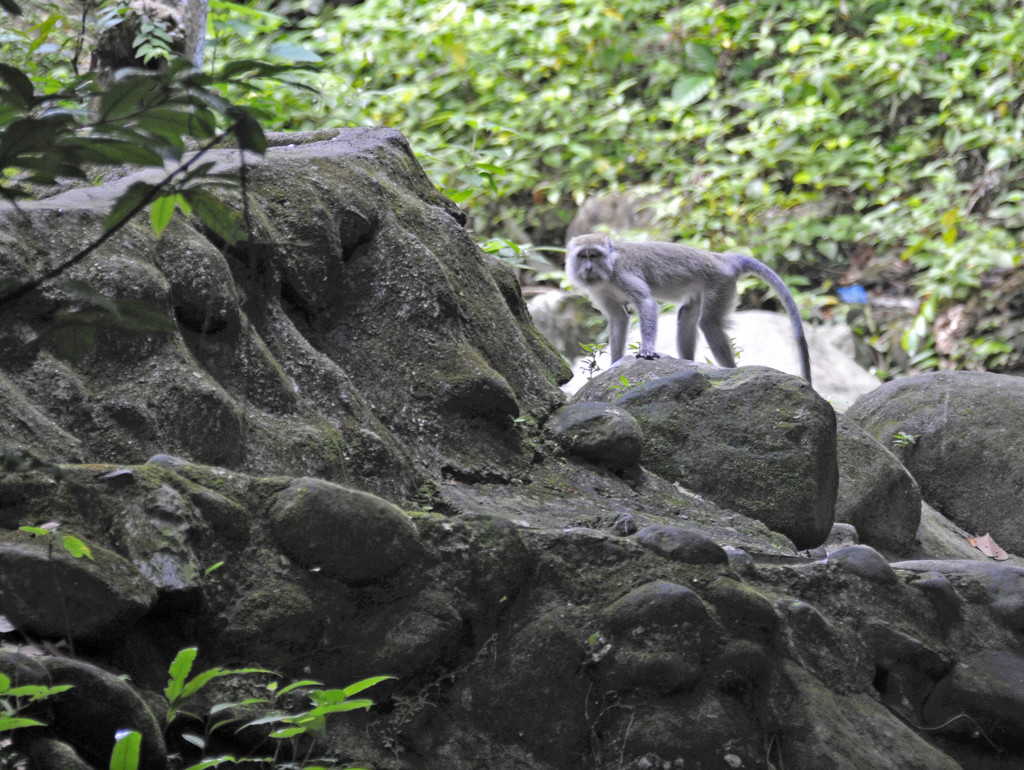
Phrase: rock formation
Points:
(352, 458)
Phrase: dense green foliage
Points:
(847, 140)
(60, 121)
(875, 143)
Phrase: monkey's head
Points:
(590, 259)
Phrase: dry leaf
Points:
(989, 547)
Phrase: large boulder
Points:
(45, 591)
(961, 436)
(876, 493)
(351, 535)
(751, 439)
(88, 715)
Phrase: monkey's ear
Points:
(608, 243)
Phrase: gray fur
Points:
(639, 273)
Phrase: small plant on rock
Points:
(902, 440)
(290, 726)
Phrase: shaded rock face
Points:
(358, 466)
(968, 430)
(353, 536)
(349, 341)
(48, 593)
(877, 495)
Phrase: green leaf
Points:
(18, 86)
(23, 140)
(131, 147)
(200, 680)
(690, 89)
(126, 751)
(14, 723)
(173, 122)
(207, 763)
(76, 548)
(293, 52)
(215, 214)
(296, 685)
(267, 719)
(130, 203)
(126, 95)
(700, 57)
(288, 732)
(179, 671)
(37, 692)
(363, 684)
(338, 708)
(160, 212)
(251, 67)
(247, 131)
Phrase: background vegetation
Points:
(872, 145)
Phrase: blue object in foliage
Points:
(855, 294)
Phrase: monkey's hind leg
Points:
(686, 327)
(718, 341)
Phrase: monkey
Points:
(638, 273)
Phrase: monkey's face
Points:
(590, 264)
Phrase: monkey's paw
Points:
(648, 356)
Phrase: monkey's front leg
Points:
(647, 309)
(618, 327)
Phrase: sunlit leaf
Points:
(296, 685)
(179, 671)
(294, 52)
(215, 762)
(363, 684)
(14, 723)
(76, 547)
(700, 57)
(160, 212)
(196, 740)
(125, 755)
(690, 89)
(288, 732)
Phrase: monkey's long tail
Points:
(751, 265)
